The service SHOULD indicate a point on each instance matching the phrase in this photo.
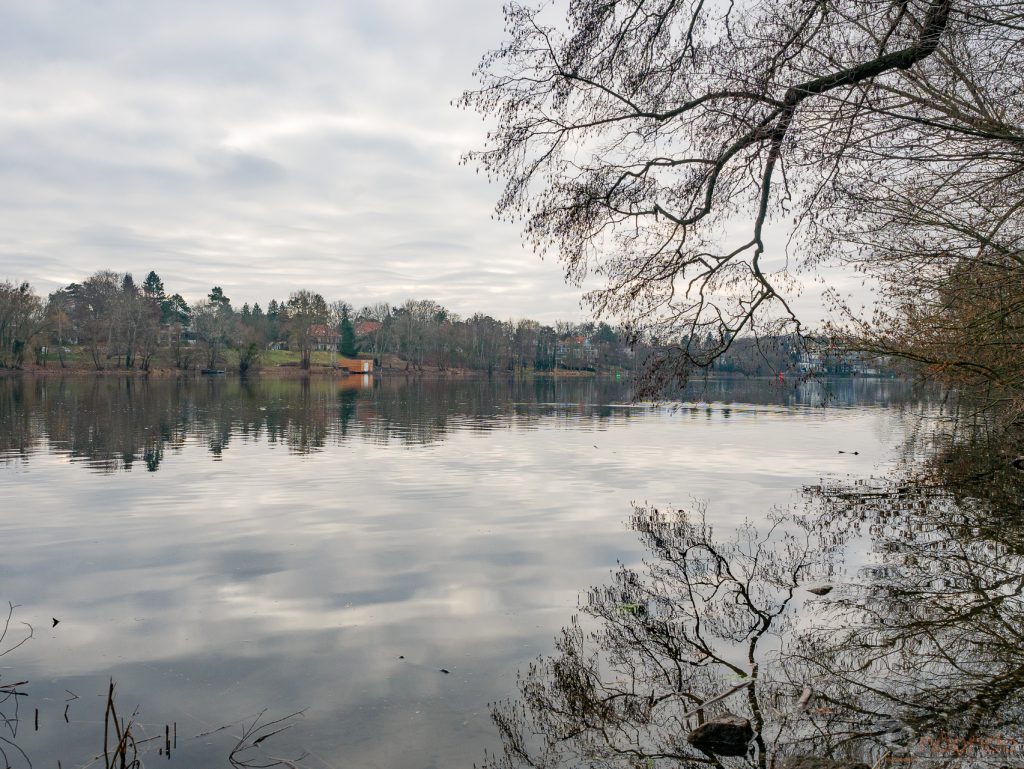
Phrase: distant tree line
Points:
(119, 323)
(115, 322)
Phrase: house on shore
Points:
(324, 337)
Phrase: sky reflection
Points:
(452, 524)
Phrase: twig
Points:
(7, 625)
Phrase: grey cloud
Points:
(244, 170)
(262, 146)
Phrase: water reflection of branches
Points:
(920, 659)
(932, 636)
(700, 623)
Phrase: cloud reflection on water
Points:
(454, 524)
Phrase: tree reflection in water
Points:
(115, 423)
(914, 660)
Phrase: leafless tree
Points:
(696, 155)
(376, 339)
(214, 326)
(307, 311)
(22, 320)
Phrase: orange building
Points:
(354, 365)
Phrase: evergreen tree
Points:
(217, 296)
(347, 345)
(273, 326)
(177, 310)
(153, 287)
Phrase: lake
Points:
(385, 557)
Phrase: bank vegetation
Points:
(108, 322)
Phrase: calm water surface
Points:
(220, 549)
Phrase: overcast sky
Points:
(261, 145)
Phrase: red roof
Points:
(319, 329)
(364, 327)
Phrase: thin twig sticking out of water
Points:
(7, 626)
(255, 734)
(120, 744)
(10, 691)
(123, 733)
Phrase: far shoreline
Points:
(291, 372)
